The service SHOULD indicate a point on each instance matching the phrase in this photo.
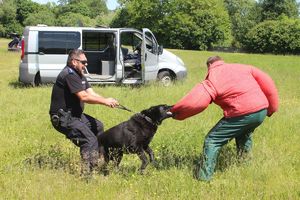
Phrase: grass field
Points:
(36, 162)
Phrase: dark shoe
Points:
(199, 173)
(85, 164)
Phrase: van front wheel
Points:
(165, 78)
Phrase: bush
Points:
(183, 24)
(74, 19)
(279, 37)
(42, 17)
(196, 25)
(2, 31)
(13, 27)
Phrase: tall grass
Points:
(36, 162)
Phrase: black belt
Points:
(61, 112)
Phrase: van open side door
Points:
(149, 56)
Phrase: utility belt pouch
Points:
(64, 117)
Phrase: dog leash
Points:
(124, 108)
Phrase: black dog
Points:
(133, 136)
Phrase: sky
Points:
(111, 4)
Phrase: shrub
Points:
(74, 19)
(279, 37)
(183, 24)
(41, 17)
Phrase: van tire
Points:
(165, 78)
(37, 79)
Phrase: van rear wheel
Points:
(37, 79)
(165, 78)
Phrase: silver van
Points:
(115, 55)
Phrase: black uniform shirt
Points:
(63, 96)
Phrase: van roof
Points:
(60, 28)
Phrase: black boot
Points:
(85, 164)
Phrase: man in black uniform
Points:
(70, 91)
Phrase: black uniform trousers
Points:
(81, 131)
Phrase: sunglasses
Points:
(84, 62)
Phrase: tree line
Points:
(263, 26)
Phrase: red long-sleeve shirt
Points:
(238, 89)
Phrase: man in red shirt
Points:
(246, 94)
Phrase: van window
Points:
(97, 41)
(130, 42)
(151, 44)
(51, 42)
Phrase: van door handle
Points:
(145, 56)
(41, 53)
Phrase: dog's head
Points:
(158, 113)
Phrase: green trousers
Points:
(240, 128)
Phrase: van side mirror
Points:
(160, 49)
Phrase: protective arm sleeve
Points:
(192, 103)
(269, 89)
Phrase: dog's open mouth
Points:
(169, 113)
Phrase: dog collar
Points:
(148, 119)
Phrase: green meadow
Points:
(36, 162)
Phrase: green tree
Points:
(120, 18)
(190, 24)
(280, 36)
(76, 7)
(41, 17)
(8, 22)
(24, 8)
(7, 12)
(74, 19)
(205, 22)
(106, 19)
(139, 14)
(244, 14)
(97, 8)
(272, 9)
